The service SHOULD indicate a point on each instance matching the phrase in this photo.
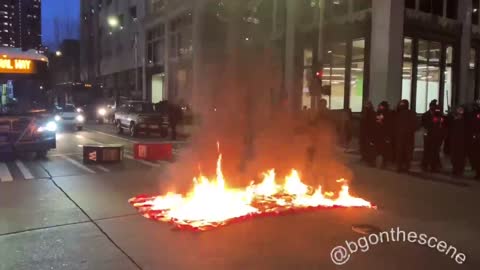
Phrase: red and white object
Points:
(153, 151)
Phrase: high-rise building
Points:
(20, 23)
(112, 46)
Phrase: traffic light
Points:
(316, 83)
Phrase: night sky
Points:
(67, 12)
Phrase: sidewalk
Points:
(444, 176)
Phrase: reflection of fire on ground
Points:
(212, 203)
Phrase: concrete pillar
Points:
(350, 7)
(386, 53)
(166, 62)
(199, 96)
(464, 94)
(294, 94)
(444, 8)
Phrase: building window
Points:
(121, 20)
(133, 12)
(307, 77)
(429, 61)
(156, 45)
(428, 77)
(475, 6)
(407, 72)
(410, 4)
(426, 6)
(452, 6)
(472, 72)
(361, 5)
(448, 93)
(308, 8)
(336, 7)
(181, 43)
(157, 6)
(334, 75)
(356, 75)
(437, 8)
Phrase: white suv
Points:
(69, 116)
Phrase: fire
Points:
(212, 203)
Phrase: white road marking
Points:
(100, 167)
(78, 164)
(24, 170)
(65, 154)
(5, 175)
(114, 136)
(148, 163)
(132, 141)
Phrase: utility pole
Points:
(320, 45)
(136, 62)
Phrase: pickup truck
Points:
(140, 117)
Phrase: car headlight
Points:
(80, 118)
(79, 110)
(102, 112)
(50, 127)
(57, 118)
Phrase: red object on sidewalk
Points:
(153, 151)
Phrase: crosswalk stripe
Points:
(148, 163)
(5, 175)
(78, 164)
(24, 170)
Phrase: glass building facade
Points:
(343, 71)
(431, 62)
(427, 72)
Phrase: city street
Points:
(61, 214)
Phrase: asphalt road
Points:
(61, 214)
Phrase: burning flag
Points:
(212, 203)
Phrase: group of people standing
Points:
(390, 134)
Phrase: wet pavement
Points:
(60, 214)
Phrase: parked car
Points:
(140, 117)
(69, 116)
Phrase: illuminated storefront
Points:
(344, 71)
(427, 73)
(420, 54)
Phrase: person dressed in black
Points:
(404, 135)
(434, 123)
(175, 115)
(322, 120)
(474, 139)
(457, 138)
(366, 130)
(382, 135)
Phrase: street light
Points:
(58, 53)
(113, 21)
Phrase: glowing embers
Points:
(212, 203)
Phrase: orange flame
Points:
(211, 203)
